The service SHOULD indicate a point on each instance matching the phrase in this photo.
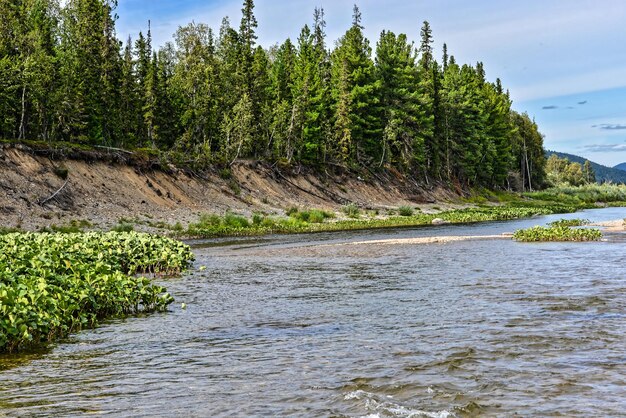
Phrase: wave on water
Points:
(387, 408)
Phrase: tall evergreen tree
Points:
(358, 123)
(195, 83)
(281, 139)
(428, 84)
(401, 101)
(247, 42)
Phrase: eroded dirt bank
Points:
(104, 191)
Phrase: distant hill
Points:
(603, 173)
(621, 166)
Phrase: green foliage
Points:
(405, 211)
(310, 216)
(123, 227)
(351, 210)
(586, 194)
(556, 233)
(72, 227)
(560, 172)
(215, 226)
(54, 284)
(61, 172)
(603, 174)
(226, 174)
(569, 222)
(7, 230)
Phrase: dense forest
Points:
(211, 98)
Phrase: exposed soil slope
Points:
(103, 191)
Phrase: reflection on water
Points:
(307, 326)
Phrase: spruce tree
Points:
(428, 85)
(281, 140)
(358, 118)
(400, 99)
(247, 41)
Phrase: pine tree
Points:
(238, 130)
(260, 96)
(129, 102)
(89, 58)
(527, 150)
(37, 69)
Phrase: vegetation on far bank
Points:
(234, 225)
(489, 206)
(52, 284)
(588, 194)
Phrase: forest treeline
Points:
(213, 97)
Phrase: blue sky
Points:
(562, 60)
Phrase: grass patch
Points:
(310, 215)
(73, 226)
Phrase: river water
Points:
(319, 326)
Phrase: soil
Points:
(105, 190)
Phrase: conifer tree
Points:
(129, 101)
(400, 99)
(281, 138)
(65, 76)
(196, 86)
(428, 83)
(358, 123)
(247, 41)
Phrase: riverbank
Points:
(63, 191)
(40, 188)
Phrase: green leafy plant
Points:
(556, 233)
(53, 284)
(569, 222)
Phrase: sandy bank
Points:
(617, 225)
(427, 240)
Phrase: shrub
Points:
(351, 210)
(405, 211)
(235, 221)
(123, 227)
(569, 222)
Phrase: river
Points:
(329, 325)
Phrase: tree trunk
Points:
(22, 134)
